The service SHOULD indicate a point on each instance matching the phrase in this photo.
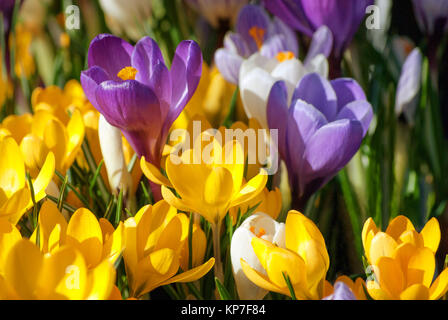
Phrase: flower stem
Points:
(216, 228)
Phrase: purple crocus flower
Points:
(254, 32)
(320, 132)
(134, 90)
(343, 17)
(341, 292)
(432, 15)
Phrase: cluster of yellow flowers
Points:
(47, 252)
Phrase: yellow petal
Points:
(369, 226)
(9, 236)
(412, 236)
(376, 292)
(398, 226)
(193, 274)
(44, 177)
(259, 279)
(84, 232)
(12, 167)
(56, 140)
(415, 292)
(421, 267)
(75, 132)
(34, 153)
(15, 207)
(101, 279)
(382, 245)
(440, 286)
(49, 218)
(180, 204)
(431, 234)
(390, 276)
(218, 187)
(153, 174)
(250, 190)
(114, 244)
(23, 267)
(234, 161)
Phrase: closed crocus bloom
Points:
(403, 261)
(304, 260)
(343, 17)
(127, 17)
(217, 11)
(154, 240)
(320, 132)
(432, 15)
(258, 225)
(48, 133)
(29, 274)
(134, 90)
(258, 74)
(255, 32)
(409, 85)
(16, 194)
(112, 150)
(24, 61)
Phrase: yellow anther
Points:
(285, 55)
(127, 73)
(257, 34)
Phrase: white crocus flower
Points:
(112, 149)
(127, 16)
(258, 74)
(258, 225)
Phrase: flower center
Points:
(127, 73)
(257, 34)
(285, 55)
(261, 232)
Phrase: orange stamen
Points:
(257, 34)
(252, 229)
(261, 233)
(127, 73)
(285, 55)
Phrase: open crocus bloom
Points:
(304, 260)
(155, 240)
(134, 90)
(254, 33)
(343, 17)
(258, 74)
(321, 130)
(403, 261)
(15, 193)
(258, 225)
(210, 184)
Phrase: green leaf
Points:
(223, 293)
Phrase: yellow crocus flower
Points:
(30, 274)
(96, 240)
(48, 133)
(403, 261)
(304, 260)
(24, 61)
(15, 193)
(155, 239)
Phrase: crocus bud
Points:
(112, 150)
(258, 225)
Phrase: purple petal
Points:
(277, 114)
(329, 150)
(90, 80)
(278, 27)
(347, 90)
(358, 110)
(409, 85)
(291, 12)
(152, 71)
(228, 64)
(317, 91)
(186, 71)
(341, 292)
(252, 16)
(110, 53)
(322, 43)
(130, 106)
(234, 43)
